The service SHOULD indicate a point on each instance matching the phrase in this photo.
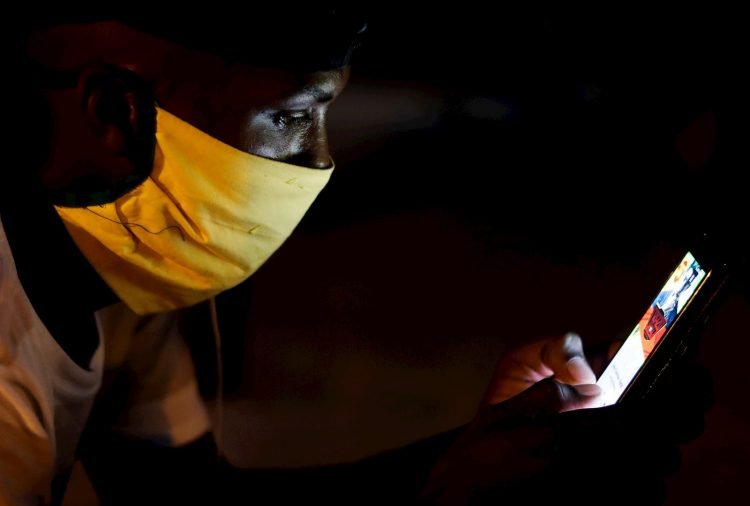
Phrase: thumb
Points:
(565, 357)
(547, 397)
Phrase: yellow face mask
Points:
(206, 218)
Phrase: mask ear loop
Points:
(219, 406)
(126, 225)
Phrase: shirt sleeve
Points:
(26, 453)
(163, 404)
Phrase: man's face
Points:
(273, 113)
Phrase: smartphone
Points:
(668, 328)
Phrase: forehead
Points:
(308, 37)
(175, 68)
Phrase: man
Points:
(97, 81)
(165, 160)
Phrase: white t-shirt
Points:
(45, 397)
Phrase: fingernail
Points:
(579, 369)
(588, 390)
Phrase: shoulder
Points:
(26, 456)
(7, 296)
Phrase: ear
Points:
(115, 103)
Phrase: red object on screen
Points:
(653, 327)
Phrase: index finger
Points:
(565, 357)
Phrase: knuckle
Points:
(572, 341)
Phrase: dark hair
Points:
(297, 38)
(303, 38)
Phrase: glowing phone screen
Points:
(677, 292)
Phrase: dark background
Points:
(501, 175)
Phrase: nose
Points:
(320, 157)
(315, 153)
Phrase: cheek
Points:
(264, 138)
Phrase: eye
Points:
(285, 119)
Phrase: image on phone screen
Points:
(677, 292)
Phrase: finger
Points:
(501, 452)
(562, 358)
(499, 458)
(565, 357)
(545, 398)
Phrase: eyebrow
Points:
(318, 93)
(301, 98)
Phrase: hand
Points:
(521, 452)
(502, 449)
(622, 454)
(561, 358)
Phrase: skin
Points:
(104, 126)
(101, 127)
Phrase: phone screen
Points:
(677, 292)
